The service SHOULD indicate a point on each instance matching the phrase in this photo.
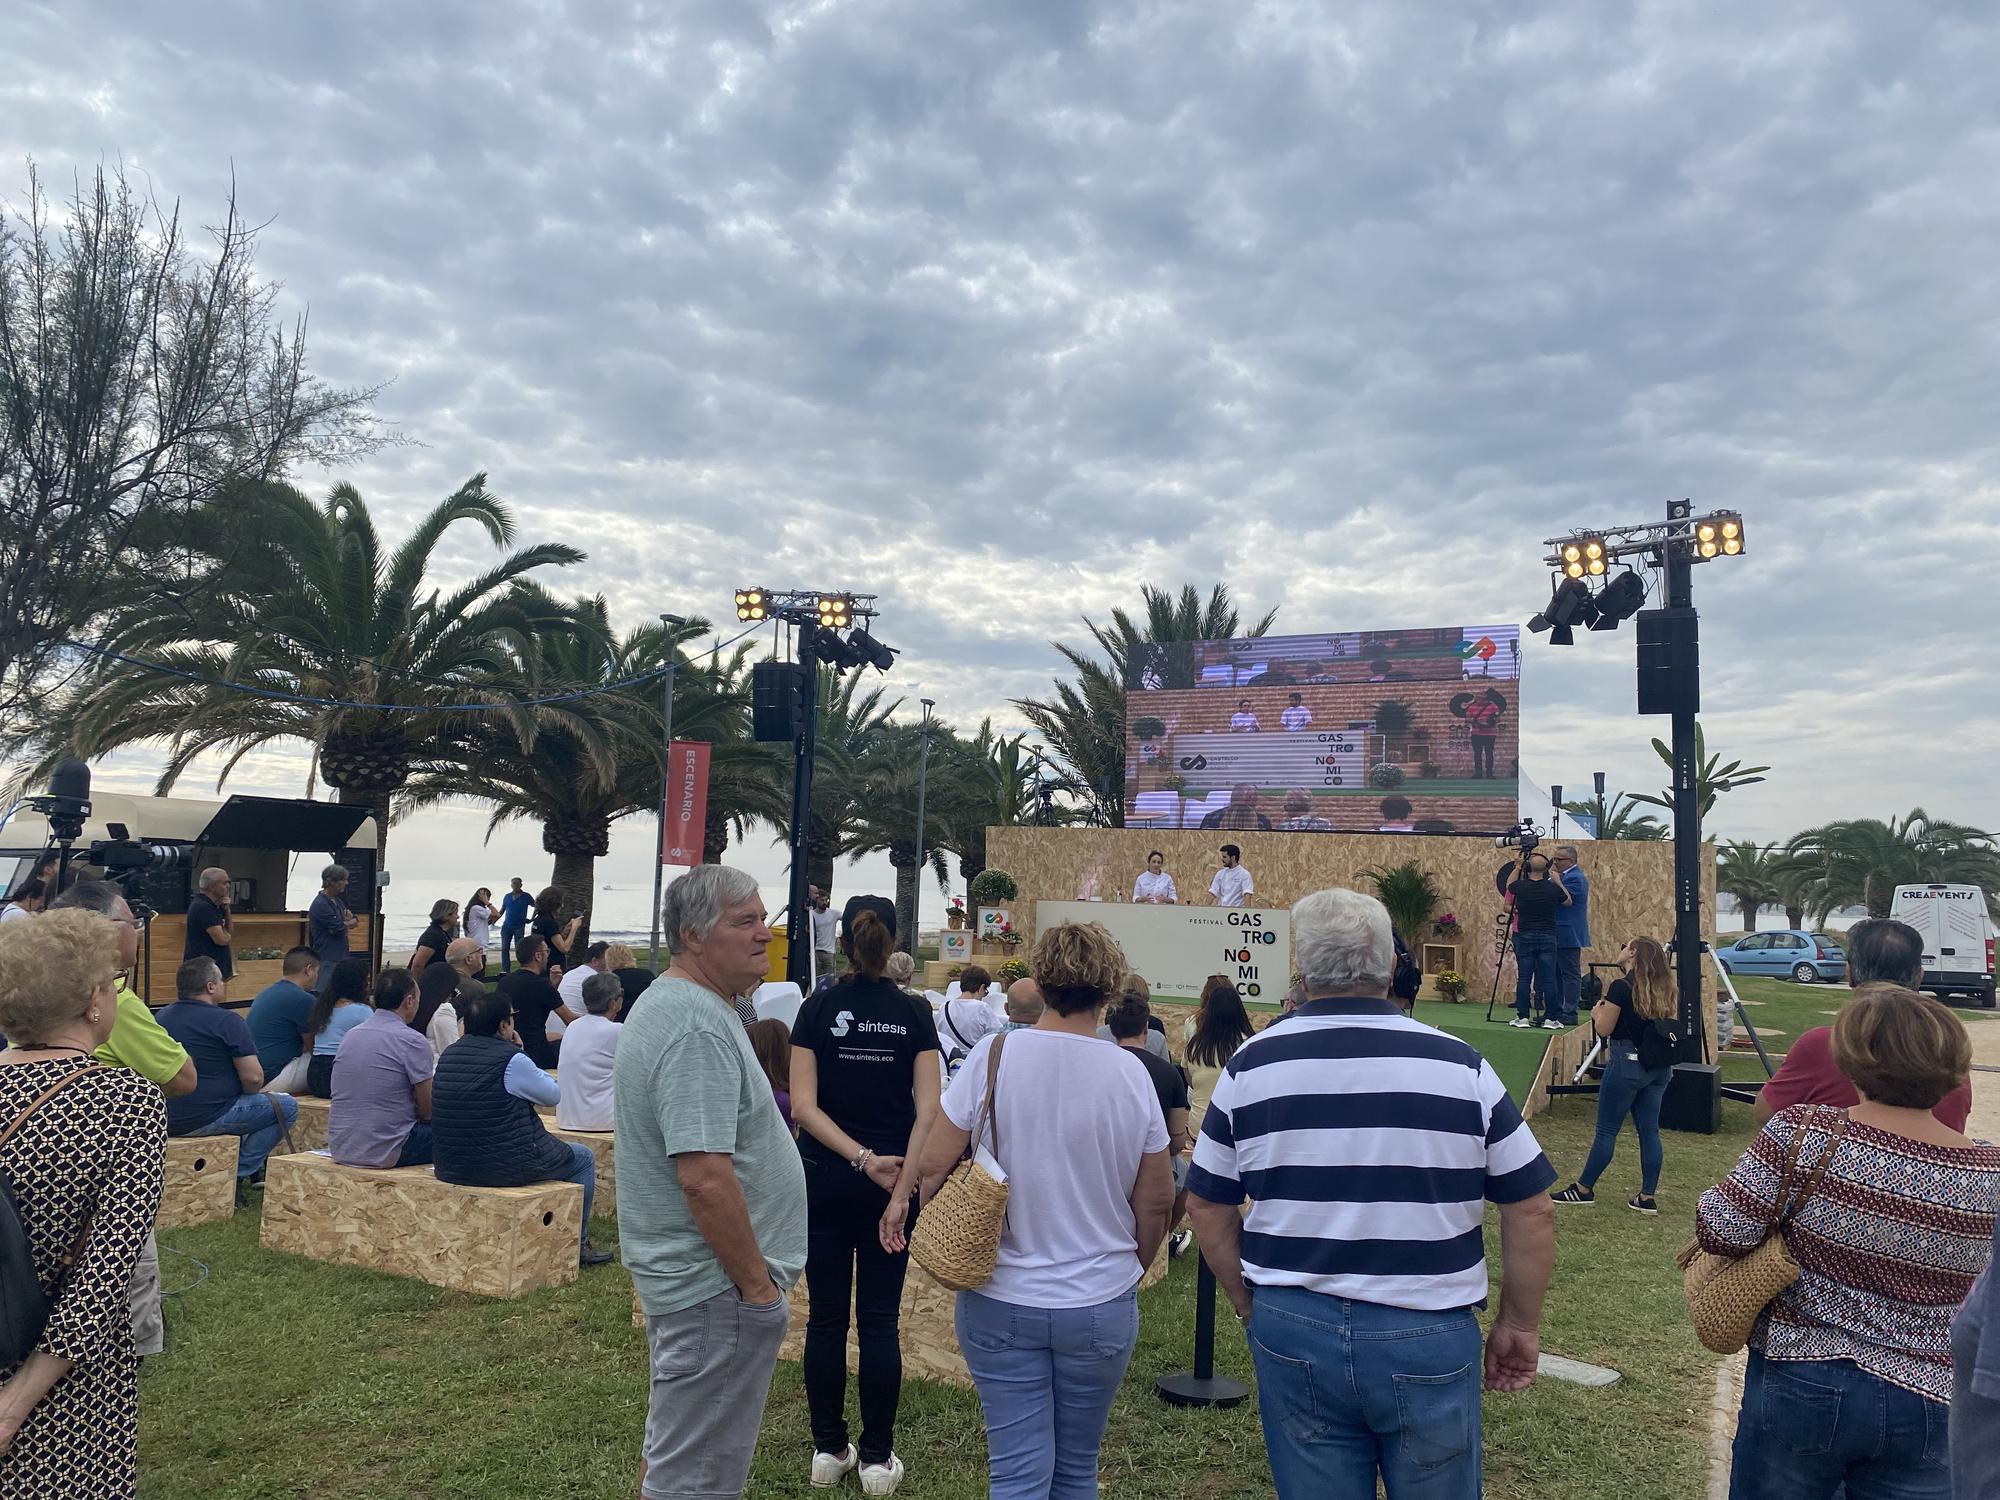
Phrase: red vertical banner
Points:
(687, 802)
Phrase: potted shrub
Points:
(954, 915)
(1009, 970)
(1450, 985)
(1146, 727)
(1394, 719)
(1429, 770)
(1446, 928)
(1388, 776)
(1411, 894)
(991, 888)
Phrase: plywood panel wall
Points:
(1631, 884)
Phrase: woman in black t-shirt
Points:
(437, 937)
(553, 928)
(1622, 1017)
(864, 1093)
(1535, 896)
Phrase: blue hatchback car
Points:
(1802, 956)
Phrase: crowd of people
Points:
(1335, 1166)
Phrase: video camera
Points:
(126, 862)
(1523, 836)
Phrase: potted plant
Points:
(1146, 727)
(1429, 770)
(991, 887)
(1450, 985)
(1009, 970)
(954, 915)
(1446, 928)
(1388, 776)
(1411, 894)
(1394, 719)
(1006, 936)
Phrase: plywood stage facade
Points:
(1631, 884)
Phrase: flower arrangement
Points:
(1450, 985)
(1005, 935)
(1010, 969)
(955, 913)
(1446, 927)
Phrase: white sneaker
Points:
(1521, 1023)
(1179, 1243)
(882, 1479)
(1554, 1026)
(830, 1468)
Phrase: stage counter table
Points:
(166, 940)
(1176, 948)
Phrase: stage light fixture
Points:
(836, 611)
(853, 653)
(751, 605)
(1622, 598)
(1584, 557)
(827, 648)
(874, 653)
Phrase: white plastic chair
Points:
(778, 1000)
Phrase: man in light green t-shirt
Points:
(711, 1193)
(140, 1043)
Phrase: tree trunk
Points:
(575, 875)
(714, 837)
(376, 799)
(1878, 894)
(970, 866)
(906, 907)
(1750, 910)
(1795, 917)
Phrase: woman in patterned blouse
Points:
(1849, 1379)
(85, 1167)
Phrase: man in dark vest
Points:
(485, 1132)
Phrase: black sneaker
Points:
(592, 1256)
(1576, 1192)
(1643, 1203)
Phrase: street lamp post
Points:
(670, 623)
(923, 775)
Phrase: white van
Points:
(1958, 938)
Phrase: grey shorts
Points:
(1181, 1165)
(149, 1328)
(711, 1367)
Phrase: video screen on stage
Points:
(1389, 731)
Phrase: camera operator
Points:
(1537, 897)
(209, 928)
(1572, 929)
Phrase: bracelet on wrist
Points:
(861, 1159)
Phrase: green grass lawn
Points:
(1515, 1055)
(286, 1377)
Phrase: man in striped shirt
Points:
(1369, 1145)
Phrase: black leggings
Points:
(844, 1254)
(319, 1076)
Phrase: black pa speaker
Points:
(777, 696)
(1693, 1101)
(1669, 661)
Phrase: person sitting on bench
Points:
(228, 1097)
(484, 1129)
(382, 1082)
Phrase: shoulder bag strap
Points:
(951, 1026)
(988, 1122)
(1784, 1193)
(1835, 1133)
(43, 1098)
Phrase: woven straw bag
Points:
(1725, 1294)
(957, 1238)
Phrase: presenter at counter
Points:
(1232, 882)
(1154, 885)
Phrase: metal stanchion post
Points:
(1201, 1386)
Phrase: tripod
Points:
(1503, 941)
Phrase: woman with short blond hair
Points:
(1850, 1374)
(84, 1162)
(1078, 1131)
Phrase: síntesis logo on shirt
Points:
(845, 1022)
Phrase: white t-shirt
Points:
(1231, 885)
(824, 928)
(962, 1023)
(1297, 716)
(1075, 1119)
(1242, 720)
(443, 1030)
(1151, 887)
(13, 913)
(479, 922)
(570, 992)
(589, 1049)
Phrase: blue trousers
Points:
(1535, 965)
(1350, 1389)
(252, 1118)
(1046, 1378)
(417, 1146)
(1628, 1089)
(1809, 1426)
(583, 1172)
(509, 936)
(1569, 976)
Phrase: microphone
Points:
(67, 803)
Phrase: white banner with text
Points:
(1176, 948)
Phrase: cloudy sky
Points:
(1005, 310)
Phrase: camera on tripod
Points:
(1523, 836)
(127, 861)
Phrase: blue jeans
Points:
(509, 936)
(1535, 961)
(1628, 1089)
(583, 1172)
(1046, 1378)
(417, 1147)
(1809, 1426)
(1348, 1388)
(1569, 981)
(251, 1118)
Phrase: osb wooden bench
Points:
(498, 1242)
(200, 1180)
(309, 1133)
(602, 1147)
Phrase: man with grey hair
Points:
(328, 921)
(1361, 1261)
(590, 1054)
(210, 929)
(712, 1196)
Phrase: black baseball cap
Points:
(882, 906)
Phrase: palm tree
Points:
(1618, 818)
(851, 723)
(1712, 777)
(1863, 860)
(886, 815)
(296, 622)
(1410, 894)
(579, 774)
(749, 782)
(1753, 874)
(1084, 720)
(997, 786)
